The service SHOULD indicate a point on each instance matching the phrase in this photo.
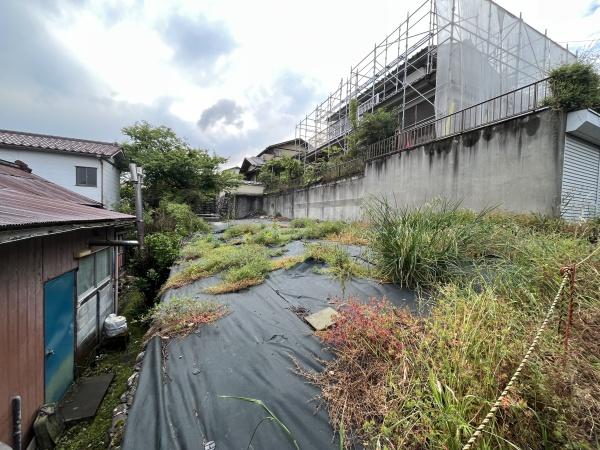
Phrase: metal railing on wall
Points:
(323, 175)
(505, 106)
(510, 104)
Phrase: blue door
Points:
(59, 310)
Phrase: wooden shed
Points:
(57, 284)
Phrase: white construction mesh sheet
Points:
(484, 51)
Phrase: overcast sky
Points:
(229, 76)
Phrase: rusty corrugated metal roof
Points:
(29, 200)
(57, 143)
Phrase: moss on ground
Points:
(94, 434)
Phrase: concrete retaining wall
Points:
(515, 165)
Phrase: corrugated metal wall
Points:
(580, 194)
(24, 268)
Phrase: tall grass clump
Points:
(421, 246)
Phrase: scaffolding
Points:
(446, 55)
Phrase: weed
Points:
(490, 279)
(339, 263)
(270, 416)
(287, 262)
(242, 229)
(180, 316)
(93, 434)
(199, 247)
(419, 247)
(303, 222)
(224, 257)
(355, 233)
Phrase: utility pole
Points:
(137, 175)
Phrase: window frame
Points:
(87, 169)
(97, 284)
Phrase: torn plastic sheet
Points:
(249, 353)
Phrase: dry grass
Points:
(287, 262)
(180, 316)
(233, 286)
(355, 233)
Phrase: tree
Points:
(172, 169)
(574, 86)
(282, 169)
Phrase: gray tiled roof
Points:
(57, 143)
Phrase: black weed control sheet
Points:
(248, 353)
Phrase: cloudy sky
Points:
(229, 76)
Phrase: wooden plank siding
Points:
(22, 342)
(24, 268)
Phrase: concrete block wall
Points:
(515, 165)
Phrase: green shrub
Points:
(151, 266)
(574, 86)
(176, 217)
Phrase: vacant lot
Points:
(423, 378)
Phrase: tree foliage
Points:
(574, 86)
(376, 126)
(173, 169)
(280, 169)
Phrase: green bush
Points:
(178, 218)
(151, 266)
(574, 86)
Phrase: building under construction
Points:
(446, 55)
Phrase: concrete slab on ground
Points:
(83, 400)
(322, 319)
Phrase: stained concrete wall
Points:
(515, 165)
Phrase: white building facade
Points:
(88, 168)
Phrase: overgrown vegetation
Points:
(243, 258)
(246, 261)
(180, 316)
(333, 161)
(574, 86)
(280, 169)
(405, 381)
(168, 225)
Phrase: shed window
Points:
(94, 270)
(86, 176)
(85, 274)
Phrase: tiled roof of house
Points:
(28, 200)
(56, 143)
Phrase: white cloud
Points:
(275, 60)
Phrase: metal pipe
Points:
(16, 407)
(114, 243)
(137, 177)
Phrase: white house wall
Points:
(60, 169)
(111, 179)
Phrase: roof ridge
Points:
(27, 133)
